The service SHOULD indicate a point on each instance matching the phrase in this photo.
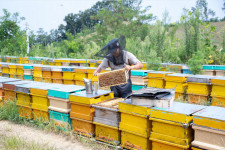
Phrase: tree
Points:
(202, 6)
(12, 38)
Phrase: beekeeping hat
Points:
(112, 46)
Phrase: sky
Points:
(49, 14)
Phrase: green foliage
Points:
(196, 62)
(12, 38)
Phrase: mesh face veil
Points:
(109, 50)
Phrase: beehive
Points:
(82, 111)
(209, 126)
(157, 78)
(171, 126)
(199, 88)
(107, 120)
(134, 134)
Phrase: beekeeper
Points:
(116, 57)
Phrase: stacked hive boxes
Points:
(2, 91)
(139, 79)
(81, 73)
(178, 81)
(12, 70)
(9, 89)
(209, 127)
(24, 99)
(59, 107)
(40, 101)
(19, 71)
(171, 126)
(82, 112)
(135, 126)
(37, 73)
(107, 120)
(218, 94)
(69, 75)
(5, 70)
(199, 89)
(157, 79)
(57, 74)
(28, 72)
(46, 74)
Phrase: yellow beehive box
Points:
(9, 95)
(127, 107)
(179, 96)
(12, 75)
(39, 79)
(5, 70)
(179, 112)
(83, 127)
(198, 99)
(158, 74)
(218, 81)
(69, 82)
(25, 111)
(211, 117)
(171, 126)
(199, 88)
(41, 115)
(39, 102)
(84, 98)
(12, 69)
(162, 145)
(69, 75)
(19, 70)
(81, 83)
(156, 82)
(23, 99)
(180, 86)
(46, 74)
(37, 71)
(47, 80)
(58, 63)
(218, 91)
(108, 134)
(134, 142)
(177, 77)
(57, 81)
(141, 126)
(57, 75)
(218, 101)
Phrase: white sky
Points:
(49, 14)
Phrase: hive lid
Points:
(199, 79)
(67, 88)
(56, 68)
(182, 108)
(212, 112)
(179, 75)
(3, 80)
(84, 94)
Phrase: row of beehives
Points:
(116, 121)
(48, 74)
(194, 88)
(56, 62)
(199, 89)
(214, 70)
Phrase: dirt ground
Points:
(54, 140)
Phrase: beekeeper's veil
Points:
(109, 49)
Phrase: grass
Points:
(16, 143)
(9, 111)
